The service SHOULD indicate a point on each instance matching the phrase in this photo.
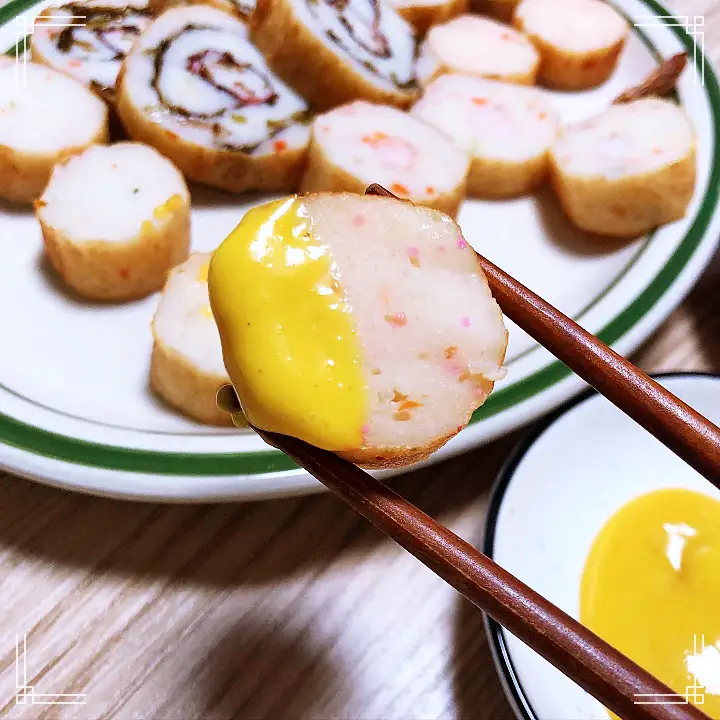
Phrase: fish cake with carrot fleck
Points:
(363, 325)
(479, 46)
(115, 220)
(507, 130)
(359, 144)
(627, 170)
(579, 41)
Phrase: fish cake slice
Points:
(195, 88)
(335, 52)
(473, 45)
(44, 116)
(187, 368)
(358, 144)
(89, 40)
(506, 129)
(579, 40)
(115, 220)
(628, 170)
(363, 325)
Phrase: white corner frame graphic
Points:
(694, 26)
(25, 694)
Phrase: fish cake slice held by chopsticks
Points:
(363, 325)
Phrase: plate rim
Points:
(551, 384)
(510, 682)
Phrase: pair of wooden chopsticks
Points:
(605, 673)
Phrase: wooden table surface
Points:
(284, 609)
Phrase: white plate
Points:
(551, 500)
(74, 406)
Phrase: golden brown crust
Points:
(185, 387)
(323, 175)
(627, 207)
(297, 56)
(500, 9)
(116, 271)
(423, 17)
(495, 179)
(564, 70)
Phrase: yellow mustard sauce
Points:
(651, 588)
(287, 331)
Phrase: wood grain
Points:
(279, 610)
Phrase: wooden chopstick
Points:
(598, 668)
(683, 430)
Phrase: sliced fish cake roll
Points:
(472, 45)
(359, 144)
(332, 52)
(115, 220)
(362, 325)
(628, 170)
(579, 40)
(187, 368)
(195, 88)
(423, 14)
(44, 117)
(89, 40)
(506, 129)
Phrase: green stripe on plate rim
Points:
(53, 445)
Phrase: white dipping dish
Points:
(555, 494)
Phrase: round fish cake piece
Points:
(579, 40)
(473, 45)
(359, 144)
(335, 52)
(186, 368)
(407, 340)
(115, 220)
(506, 129)
(88, 41)
(195, 88)
(44, 117)
(628, 170)
(423, 14)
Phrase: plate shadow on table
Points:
(226, 544)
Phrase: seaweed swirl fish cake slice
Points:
(196, 89)
(336, 51)
(88, 41)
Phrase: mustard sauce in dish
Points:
(288, 338)
(651, 588)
